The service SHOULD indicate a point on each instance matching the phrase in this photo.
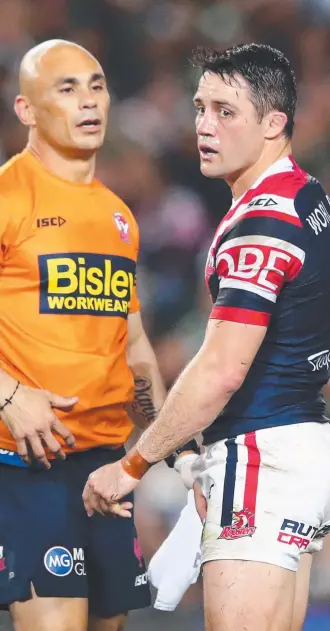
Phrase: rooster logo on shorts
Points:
(2, 560)
(138, 552)
(242, 525)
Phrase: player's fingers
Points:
(64, 432)
(200, 502)
(38, 450)
(53, 444)
(127, 505)
(22, 450)
(62, 403)
(88, 499)
(125, 510)
(97, 486)
(93, 500)
(101, 507)
(119, 509)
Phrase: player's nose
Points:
(206, 126)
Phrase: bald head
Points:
(42, 60)
(64, 98)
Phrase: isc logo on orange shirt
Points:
(85, 283)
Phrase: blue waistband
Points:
(12, 458)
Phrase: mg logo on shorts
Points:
(58, 561)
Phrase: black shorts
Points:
(47, 539)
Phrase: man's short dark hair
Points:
(265, 69)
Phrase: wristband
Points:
(134, 464)
(191, 445)
(9, 400)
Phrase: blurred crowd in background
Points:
(150, 159)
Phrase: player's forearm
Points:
(195, 400)
(149, 395)
(149, 388)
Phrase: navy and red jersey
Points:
(269, 264)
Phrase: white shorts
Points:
(268, 494)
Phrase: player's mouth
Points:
(91, 124)
(207, 152)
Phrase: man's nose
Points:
(206, 126)
(88, 101)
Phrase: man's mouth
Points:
(207, 151)
(91, 124)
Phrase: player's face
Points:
(230, 138)
(72, 101)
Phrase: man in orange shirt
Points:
(71, 344)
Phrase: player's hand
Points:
(32, 422)
(105, 487)
(200, 501)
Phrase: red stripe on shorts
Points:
(252, 475)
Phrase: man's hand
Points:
(31, 421)
(105, 487)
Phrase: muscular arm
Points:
(149, 388)
(204, 388)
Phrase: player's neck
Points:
(242, 182)
(73, 169)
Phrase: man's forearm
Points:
(201, 392)
(149, 394)
(193, 403)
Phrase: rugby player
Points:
(71, 342)
(254, 387)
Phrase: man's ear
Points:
(24, 111)
(274, 124)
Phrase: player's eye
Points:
(67, 89)
(200, 109)
(98, 87)
(224, 113)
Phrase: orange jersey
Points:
(67, 284)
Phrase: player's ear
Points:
(274, 123)
(24, 111)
